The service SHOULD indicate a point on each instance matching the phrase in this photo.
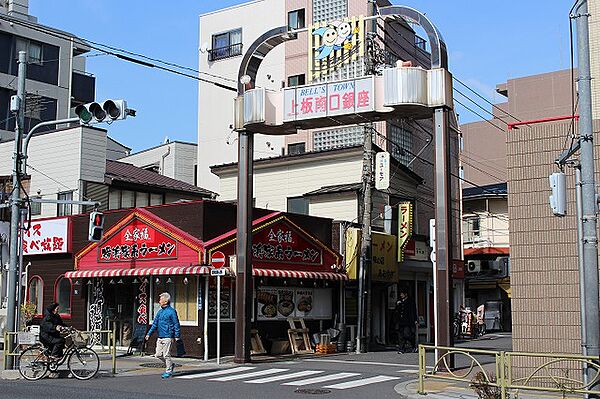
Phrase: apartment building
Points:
(56, 77)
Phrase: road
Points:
(371, 375)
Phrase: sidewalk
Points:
(452, 390)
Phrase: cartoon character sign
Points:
(335, 36)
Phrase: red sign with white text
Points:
(281, 243)
(46, 237)
(137, 241)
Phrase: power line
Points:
(480, 106)
(121, 56)
(479, 115)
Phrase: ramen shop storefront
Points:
(294, 276)
(138, 258)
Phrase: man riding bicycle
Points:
(51, 326)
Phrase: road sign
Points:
(217, 272)
(218, 259)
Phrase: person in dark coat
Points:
(50, 329)
(405, 316)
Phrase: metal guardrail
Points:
(514, 371)
(95, 341)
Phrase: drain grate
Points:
(313, 391)
(157, 365)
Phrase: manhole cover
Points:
(313, 391)
(157, 365)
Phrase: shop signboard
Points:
(137, 241)
(405, 226)
(384, 265)
(304, 302)
(47, 237)
(282, 243)
(416, 250)
(279, 303)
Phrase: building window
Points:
(62, 295)
(329, 10)
(33, 50)
(296, 19)
(472, 230)
(127, 199)
(35, 207)
(296, 80)
(65, 209)
(296, 148)
(142, 199)
(297, 205)
(337, 138)
(184, 296)
(35, 294)
(156, 199)
(226, 45)
(401, 144)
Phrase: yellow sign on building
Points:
(405, 226)
(384, 267)
(333, 44)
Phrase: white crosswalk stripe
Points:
(285, 377)
(362, 382)
(215, 373)
(248, 375)
(316, 380)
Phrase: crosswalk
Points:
(295, 378)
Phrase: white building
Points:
(175, 159)
(224, 36)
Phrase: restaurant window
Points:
(65, 209)
(297, 205)
(296, 19)
(296, 80)
(184, 296)
(62, 295)
(35, 294)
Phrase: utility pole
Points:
(591, 325)
(15, 216)
(365, 244)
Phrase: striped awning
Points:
(299, 274)
(142, 271)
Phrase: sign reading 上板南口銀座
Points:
(329, 99)
(46, 237)
(137, 241)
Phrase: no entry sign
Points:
(218, 259)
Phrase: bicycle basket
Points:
(80, 339)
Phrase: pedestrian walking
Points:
(166, 324)
(405, 320)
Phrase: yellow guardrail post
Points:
(502, 377)
(422, 370)
(114, 348)
(6, 349)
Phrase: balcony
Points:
(225, 52)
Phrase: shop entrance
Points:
(120, 299)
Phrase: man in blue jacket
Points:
(166, 324)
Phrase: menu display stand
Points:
(298, 336)
(256, 343)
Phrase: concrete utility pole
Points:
(591, 325)
(365, 244)
(13, 278)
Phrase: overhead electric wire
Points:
(479, 115)
(121, 56)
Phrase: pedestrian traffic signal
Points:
(96, 226)
(107, 111)
(558, 199)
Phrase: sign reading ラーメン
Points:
(329, 99)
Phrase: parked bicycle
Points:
(82, 361)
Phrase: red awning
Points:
(143, 271)
(299, 274)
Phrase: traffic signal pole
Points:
(13, 278)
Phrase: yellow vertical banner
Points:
(352, 252)
(405, 226)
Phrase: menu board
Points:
(226, 298)
(280, 303)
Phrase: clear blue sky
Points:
(488, 42)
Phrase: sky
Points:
(488, 42)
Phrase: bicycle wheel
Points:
(83, 363)
(32, 364)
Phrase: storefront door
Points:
(120, 297)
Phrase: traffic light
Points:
(96, 226)
(558, 199)
(109, 110)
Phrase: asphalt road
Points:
(370, 375)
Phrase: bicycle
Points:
(83, 362)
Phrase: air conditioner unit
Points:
(474, 266)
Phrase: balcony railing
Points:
(225, 52)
